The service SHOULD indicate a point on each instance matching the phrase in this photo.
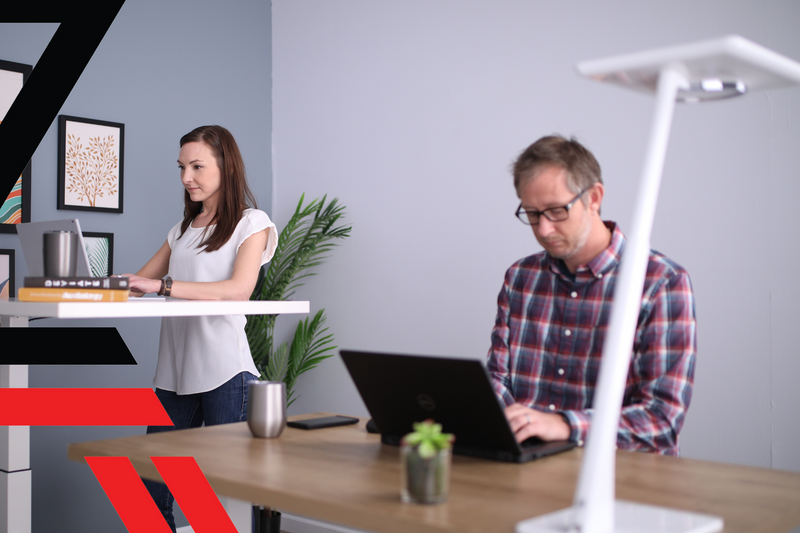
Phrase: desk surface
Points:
(150, 307)
(345, 475)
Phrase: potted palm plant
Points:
(425, 456)
(304, 243)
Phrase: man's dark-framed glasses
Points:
(553, 214)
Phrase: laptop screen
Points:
(30, 237)
(399, 390)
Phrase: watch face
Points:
(167, 285)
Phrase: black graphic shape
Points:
(52, 79)
(63, 346)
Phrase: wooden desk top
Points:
(345, 475)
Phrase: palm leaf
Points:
(309, 348)
(304, 243)
(98, 257)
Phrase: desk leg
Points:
(240, 513)
(15, 464)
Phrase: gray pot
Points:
(424, 480)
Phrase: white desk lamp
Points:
(708, 70)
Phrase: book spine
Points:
(37, 294)
(77, 283)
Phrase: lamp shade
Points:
(714, 68)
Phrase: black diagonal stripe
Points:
(63, 346)
(53, 78)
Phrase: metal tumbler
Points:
(266, 408)
(60, 249)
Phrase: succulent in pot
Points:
(425, 457)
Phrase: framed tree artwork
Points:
(16, 207)
(7, 274)
(100, 251)
(90, 164)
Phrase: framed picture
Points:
(90, 163)
(7, 274)
(16, 207)
(100, 250)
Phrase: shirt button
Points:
(567, 332)
(573, 294)
(552, 407)
(560, 371)
(580, 442)
(599, 275)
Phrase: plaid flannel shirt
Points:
(548, 338)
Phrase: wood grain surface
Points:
(344, 475)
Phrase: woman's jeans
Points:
(223, 405)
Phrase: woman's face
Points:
(200, 174)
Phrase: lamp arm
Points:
(593, 504)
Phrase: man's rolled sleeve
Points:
(579, 423)
(661, 377)
(498, 358)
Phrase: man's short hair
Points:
(582, 168)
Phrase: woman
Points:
(214, 253)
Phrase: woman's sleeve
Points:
(258, 221)
(173, 235)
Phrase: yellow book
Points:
(43, 294)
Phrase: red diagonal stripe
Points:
(81, 407)
(194, 494)
(128, 495)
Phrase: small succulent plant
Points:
(427, 438)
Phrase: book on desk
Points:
(76, 289)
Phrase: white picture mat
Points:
(4, 267)
(92, 243)
(10, 86)
(83, 132)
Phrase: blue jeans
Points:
(223, 405)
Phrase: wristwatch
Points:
(167, 285)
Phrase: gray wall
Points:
(411, 113)
(162, 69)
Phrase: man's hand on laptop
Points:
(526, 423)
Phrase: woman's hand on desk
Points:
(140, 286)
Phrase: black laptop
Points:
(399, 390)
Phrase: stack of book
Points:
(38, 289)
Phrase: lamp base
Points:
(629, 517)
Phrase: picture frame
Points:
(100, 251)
(90, 164)
(16, 207)
(7, 288)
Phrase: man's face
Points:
(548, 188)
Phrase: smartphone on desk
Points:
(323, 422)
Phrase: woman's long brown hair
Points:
(235, 195)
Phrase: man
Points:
(554, 307)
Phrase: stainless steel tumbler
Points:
(266, 408)
(60, 249)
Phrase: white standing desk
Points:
(15, 468)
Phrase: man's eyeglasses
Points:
(553, 214)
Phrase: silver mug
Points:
(60, 251)
(266, 408)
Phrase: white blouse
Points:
(200, 353)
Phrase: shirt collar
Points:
(602, 263)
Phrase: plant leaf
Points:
(304, 243)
